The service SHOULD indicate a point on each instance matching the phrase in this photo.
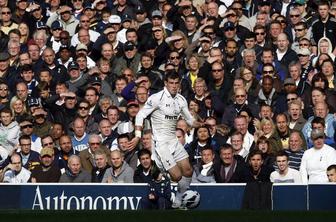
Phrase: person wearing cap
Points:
(56, 28)
(47, 171)
(316, 160)
(109, 36)
(77, 79)
(7, 23)
(6, 70)
(35, 14)
(230, 32)
(65, 112)
(130, 59)
(319, 123)
(64, 55)
(42, 125)
(65, 16)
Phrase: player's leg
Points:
(182, 162)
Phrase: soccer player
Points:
(165, 108)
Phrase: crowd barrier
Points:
(128, 196)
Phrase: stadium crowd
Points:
(259, 75)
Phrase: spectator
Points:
(75, 173)
(230, 168)
(204, 170)
(16, 173)
(331, 173)
(9, 130)
(316, 160)
(47, 171)
(119, 172)
(87, 155)
(143, 172)
(101, 165)
(284, 174)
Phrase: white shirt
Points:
(22, 177)
(315, 162)
(93, 37)
(292, 176)
(165, 111)
(247, 141)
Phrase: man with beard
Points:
(256, 170)
(47, 171)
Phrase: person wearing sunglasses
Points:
(7, 23)
(26, 128)
(87, 155)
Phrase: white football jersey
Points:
(165, 110)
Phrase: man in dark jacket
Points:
(101, 165)
(143, 173)
(230, 168)
(256, 171)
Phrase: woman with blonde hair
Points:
(18, 107)
(193, 64)
(178, 42)
(24, 30)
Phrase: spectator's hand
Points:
(133, 143)
(32, 7)
(211, 59)
(184, 3)
(151, 196)
(109, 179)
(10, 166)
(140, 79)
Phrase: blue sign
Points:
(129, 196)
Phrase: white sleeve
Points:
(297, 177)
(151, 104)
(272, 177)
(303, 169)
(186, 113)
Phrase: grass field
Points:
(171, 216)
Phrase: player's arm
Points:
(145, 111)
(189, 117)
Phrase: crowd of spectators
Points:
(260, 75)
